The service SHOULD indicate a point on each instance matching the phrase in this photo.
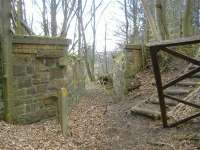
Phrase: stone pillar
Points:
(133, 64)
(118, 69)
(37, 77)
(126, 65)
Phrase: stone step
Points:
(188, 83)
(155, 115)
(176, 91)
(167, 102)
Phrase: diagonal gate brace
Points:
(164, 46)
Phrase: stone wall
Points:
(38, 74)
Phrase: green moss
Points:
(119, 58)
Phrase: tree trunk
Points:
(187, 18)
(151, 20)
(160, 6)
(6, 46)
(135, 19)
(24, 12)
(105, 51)
(19, 18)
(82, 35)
(94, 36)
(68, 6)
(44, 19)
(79, 26)
(65, 21)
(53, 18)
(126, 19)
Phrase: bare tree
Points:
(82, 41)
(188, 17)
(18, 17)
(79, 17)
(94, 35)
(134, 14)
(54, 5)
(151, 20)
(131, 28)
(45, 22)
(82, 36)
(105, 50)
(126, 18)
(160, 11)
(49, 12)
(69, 10)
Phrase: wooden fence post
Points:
(64, 109)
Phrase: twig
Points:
(161, 144)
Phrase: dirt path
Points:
(87, 123)
(131, 132)
(98, 122)
(112, 126)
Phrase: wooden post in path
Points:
(6, 47)
(64, 111)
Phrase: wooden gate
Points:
(169, 47)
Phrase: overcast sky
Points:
(111, 16)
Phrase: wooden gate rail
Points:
(168, 47)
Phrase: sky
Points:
(111, 16)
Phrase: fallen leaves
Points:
(86, 123)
